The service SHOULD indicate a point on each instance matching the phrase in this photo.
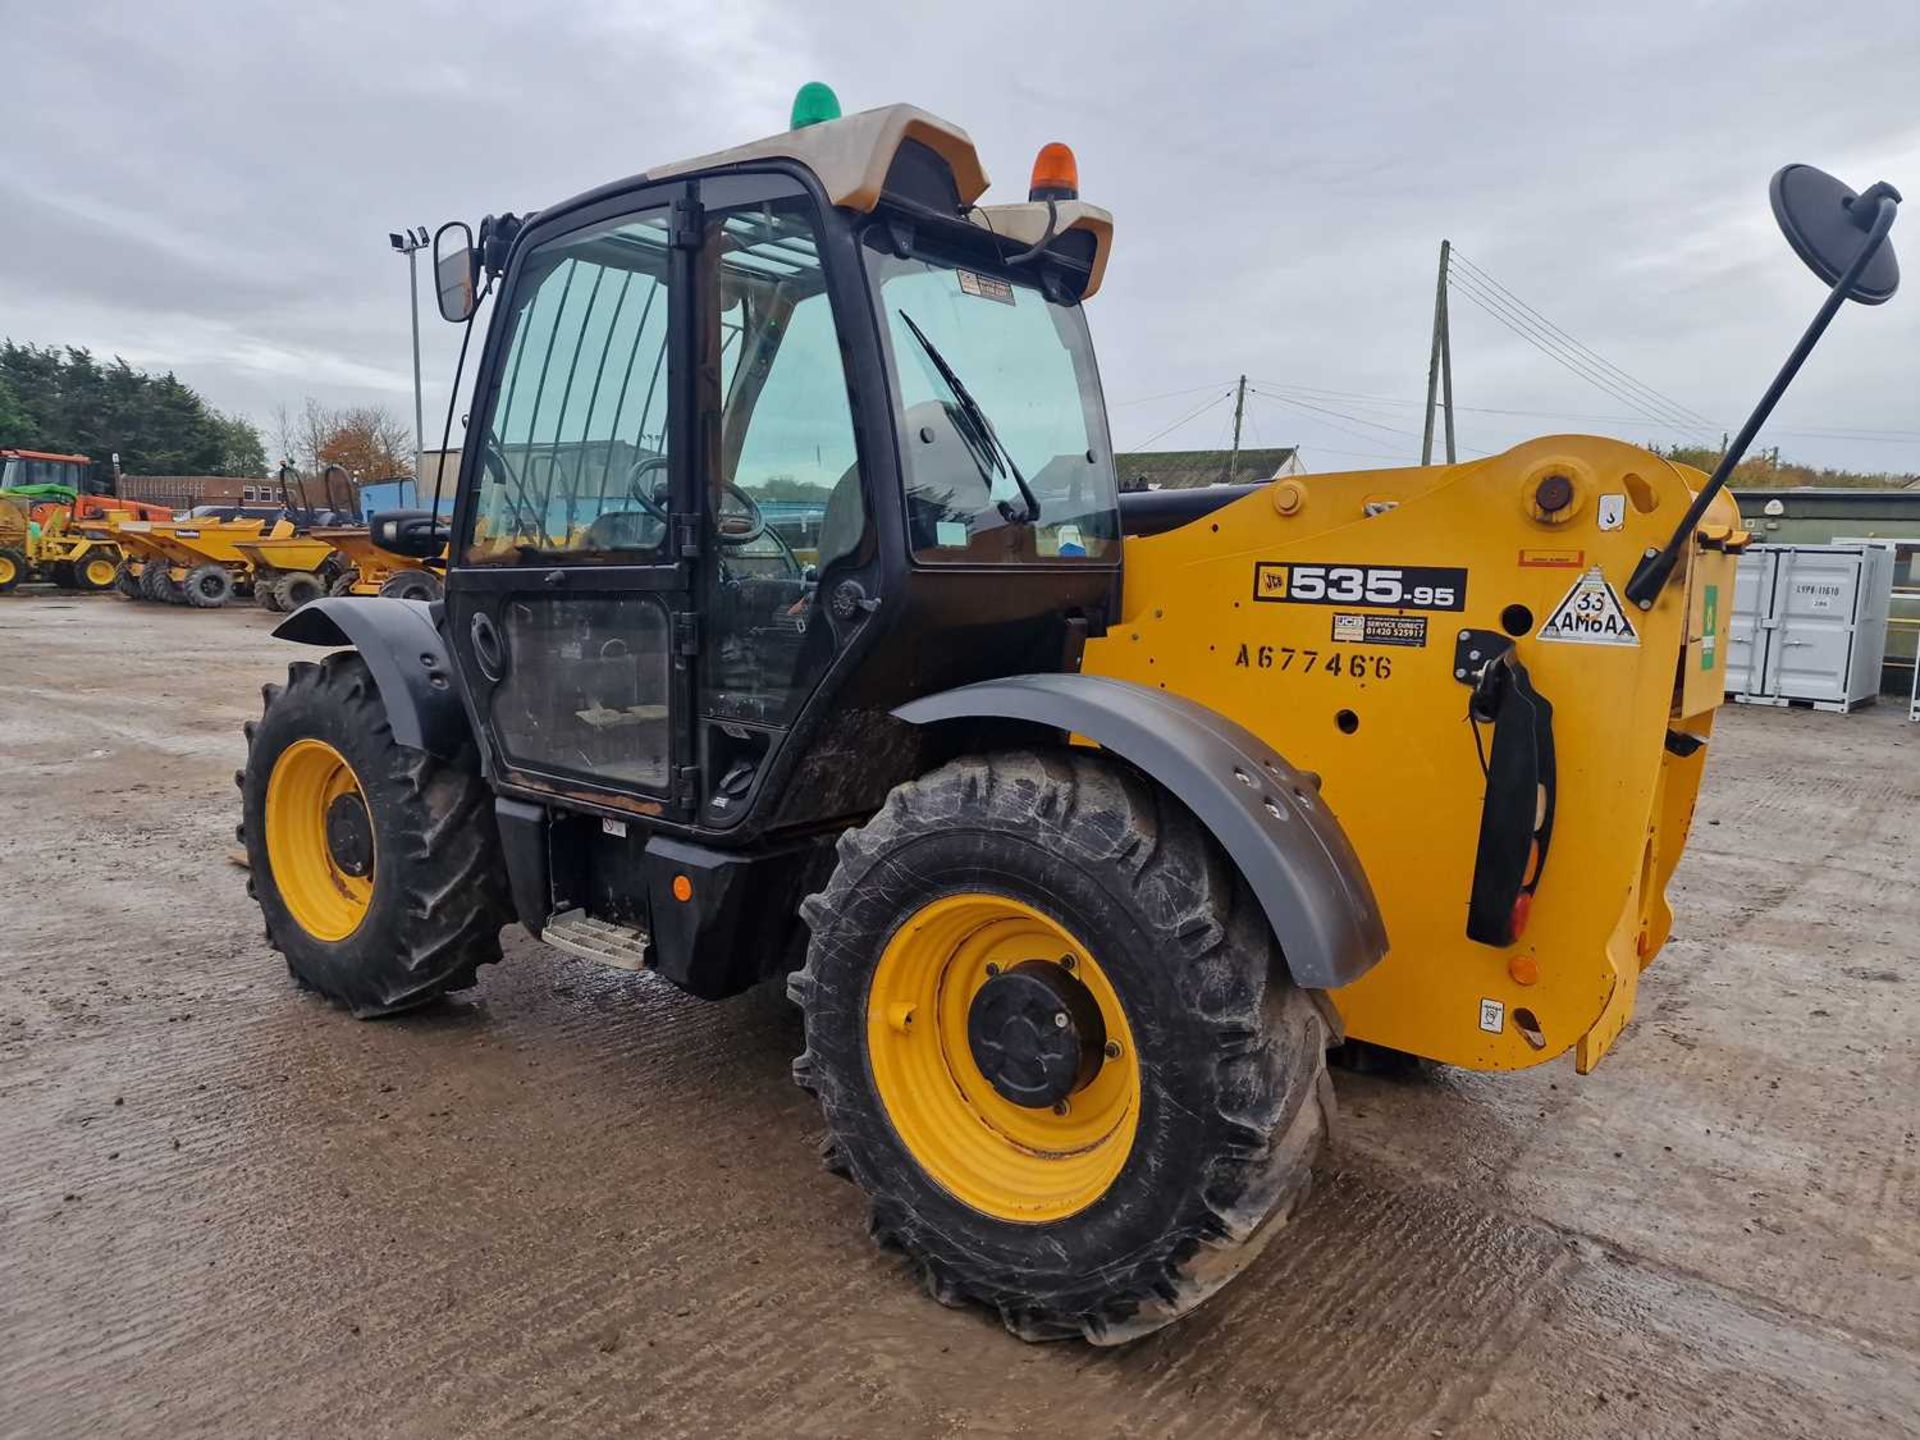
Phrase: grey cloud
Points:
(225, 173)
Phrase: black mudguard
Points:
(1266, 815)
(402, 647)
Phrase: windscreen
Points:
(1003, 433)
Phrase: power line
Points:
(1164, 395)
(1190, 415)
(1573, 363)
(1343, 415)
(1573, 360)
(1363, 454)
(1881, 434)
(1631, 381)
(1342, 429)
(1516, 315)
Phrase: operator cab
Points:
(763, 445)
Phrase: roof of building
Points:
(1189, 469)
(1813, 499)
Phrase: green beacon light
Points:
(814, 103)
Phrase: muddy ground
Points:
(579, 1203)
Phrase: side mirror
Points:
(1828, 225)
(456, 270)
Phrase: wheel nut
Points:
(1060, 1107)
(992, 969)
(1067, 962)
(1112, 1051)
(1059, 1019)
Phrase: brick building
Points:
(183, 492)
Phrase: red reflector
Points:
(1522, 912)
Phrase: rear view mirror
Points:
(456, 268)
(1828, 225)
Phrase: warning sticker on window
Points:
(987, 287)
(1590, 615)
(1354, 629)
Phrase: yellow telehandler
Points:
(1080, 824)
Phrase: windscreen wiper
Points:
(978, 417)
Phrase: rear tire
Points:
(13, 568)
(296, 588)
(126, 582)
(432, 898)
(1233, 1098)
(208, 587)
(343, 584)
(412, 585)
(95, 573)
(153, 582)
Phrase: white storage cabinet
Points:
(1809, 625)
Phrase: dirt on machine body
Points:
(794, 626)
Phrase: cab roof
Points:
(852, 158)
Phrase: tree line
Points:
(1765, 470)
(63, 399)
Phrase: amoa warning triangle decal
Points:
(1590, 615)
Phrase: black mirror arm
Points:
(1656, 566)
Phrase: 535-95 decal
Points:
(1389, 587)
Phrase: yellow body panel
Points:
(1212, 611)
(372, 566)
(286, 552)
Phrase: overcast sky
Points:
(207, 187)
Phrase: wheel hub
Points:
(350, 834)
(1036, 1033)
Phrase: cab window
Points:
(786, 505)
(574, 453)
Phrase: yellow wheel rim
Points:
(324, 898)
(98, 572)
(1003, 1159)
(8, 570)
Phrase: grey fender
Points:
(1266, 815)
(403, 649)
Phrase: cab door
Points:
(569, 580)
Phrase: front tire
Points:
(208, 586)
(412, 585)
(95, 573)
(13, 568)
(377, 867)
(296, 588)
(1109, 1211)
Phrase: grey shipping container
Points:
(1809, 624)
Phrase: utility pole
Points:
(410, 243)
(1239, 409)
(1440, 362)
(1446, 350)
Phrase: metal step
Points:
(578, 933)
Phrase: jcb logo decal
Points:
(1390, 587)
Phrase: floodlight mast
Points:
(410, 242)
